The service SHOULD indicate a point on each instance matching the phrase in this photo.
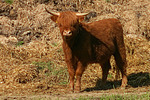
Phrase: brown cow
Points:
(85, 43)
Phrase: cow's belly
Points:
(101, 53)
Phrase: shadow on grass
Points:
(134, 80)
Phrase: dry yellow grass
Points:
(38, 65)
(18, 70)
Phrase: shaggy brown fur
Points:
(95, 42)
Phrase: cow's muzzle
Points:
(67, 33)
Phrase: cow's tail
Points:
(120, 56)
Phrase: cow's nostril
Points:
(67, 33)
(70, 33)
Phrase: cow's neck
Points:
(77, 40)
(80, 39)
(72, 42)
(79, 44)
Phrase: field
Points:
(32, 62)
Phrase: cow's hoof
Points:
(77, 89)
(124, 86)
(71, 90)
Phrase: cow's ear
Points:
(81, 18)
(54, 18)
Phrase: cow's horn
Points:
(82, 14)
(52, 12)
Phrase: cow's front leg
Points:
(79, 71)
(71, 78)
(70, 64)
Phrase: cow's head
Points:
(68, 22)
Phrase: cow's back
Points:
(103, 33)
(105, 29)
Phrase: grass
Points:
(60, 50)
(54, 44)
(9, 1)
(107, 0)
(110, 76)
(42, 65)
(51, 69)
(145, 96)
(20, 43)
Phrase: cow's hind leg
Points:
(120, 58)
(79, 71)
(105, 70)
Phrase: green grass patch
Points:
(50, 69)
(110, 76)
(60, 50)
(20, 43)
(9, 1)
(43, 65)
(145, 96)
(54, 44)
(107, 0)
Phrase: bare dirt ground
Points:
(31, 57)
